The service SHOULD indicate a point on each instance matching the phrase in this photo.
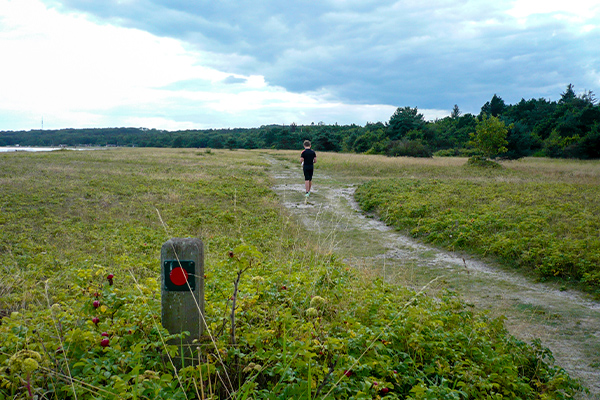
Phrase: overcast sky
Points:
(184, 64)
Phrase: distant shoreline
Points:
(10, 149)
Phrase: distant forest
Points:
(567, 128)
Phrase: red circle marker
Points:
(178, 276)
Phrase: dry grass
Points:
(361, 168)
(571, 171)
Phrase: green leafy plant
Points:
(284, 320)
(490, 136)
(525, 224)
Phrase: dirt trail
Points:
(567, 322)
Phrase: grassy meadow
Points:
(305, 325)
(540, 215)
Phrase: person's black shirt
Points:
(309, 157)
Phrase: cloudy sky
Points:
(182, 64)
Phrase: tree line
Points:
(567, 128)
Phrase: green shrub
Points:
(480, 161)
(543, 227)
(447, 153)
(408, 148)
(307, 326)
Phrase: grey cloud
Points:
(426, 54)
(233, 80)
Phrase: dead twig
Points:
(332, 365)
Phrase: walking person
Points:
(308, 158)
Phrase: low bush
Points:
(479, 161)
(408, 148)
(457, 152)
(544, 227)
(312, 330)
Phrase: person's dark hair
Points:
(306, 143)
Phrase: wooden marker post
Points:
(182, 290)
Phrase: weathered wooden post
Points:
(182, 294)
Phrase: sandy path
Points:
(567, 322)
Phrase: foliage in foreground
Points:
(306, 325)
(547, 227)
(352, 340)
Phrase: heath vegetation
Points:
(541, 215)
(80, 288)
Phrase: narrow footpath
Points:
(567, 322)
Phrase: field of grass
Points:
(306, 325)
(551, 229)
(541, 215)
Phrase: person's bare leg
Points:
(307, 186)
